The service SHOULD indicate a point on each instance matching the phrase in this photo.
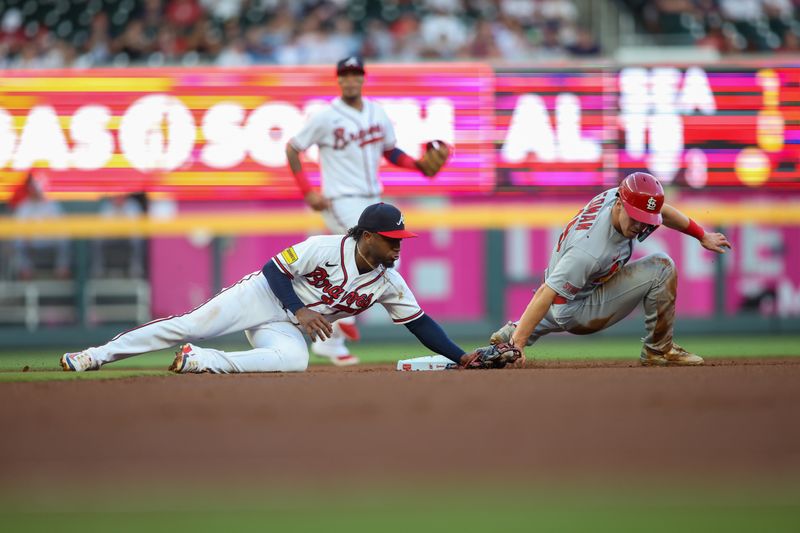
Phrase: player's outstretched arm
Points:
(433, 337)
(714, 241)
(313, 198)
(534, 313)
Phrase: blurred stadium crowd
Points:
(730, 26)
(85, 33)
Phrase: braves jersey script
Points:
(351, 145)
(589, 251)
(325, 277)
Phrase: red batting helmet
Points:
(642, 196)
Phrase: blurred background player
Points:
(589, 285)
(38, 258)
(120, 257)
(353, 133)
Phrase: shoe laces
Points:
(677, 349)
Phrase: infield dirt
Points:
(732, 419)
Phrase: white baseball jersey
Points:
(351, 145)
(589, 251)
(325, 277)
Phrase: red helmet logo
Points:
(642, 196)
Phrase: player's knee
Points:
(664, 262)
(294, 356)
(295, 360)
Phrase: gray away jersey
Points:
(589, 251)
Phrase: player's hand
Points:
(520, 345)
(716, 242)
(317, 202)
(314, 324)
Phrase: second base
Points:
(426, 363)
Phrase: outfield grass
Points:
(42, 365)
(463, 510)
(615, 519)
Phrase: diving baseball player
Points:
(305, 288)
(589, 284)
(352, 134)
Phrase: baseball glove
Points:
(434, 158)
(494, 356)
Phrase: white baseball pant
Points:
(248, 305)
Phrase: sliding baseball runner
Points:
(590, 285)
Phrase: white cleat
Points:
(79, 362)
(186, 361)
(676, 356)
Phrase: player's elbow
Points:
(545, 292)
(544, 297)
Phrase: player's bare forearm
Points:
(534, 313)
(314, 199)
(293, 157)
(317, 201)
(673, 218)
(714, 241)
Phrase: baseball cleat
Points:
(79, 362)
(676, 356)
(503, 334)
(345, 360)
(185, 361)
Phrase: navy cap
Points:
(384, 219)
(350, 64)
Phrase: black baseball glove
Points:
(494, 356)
